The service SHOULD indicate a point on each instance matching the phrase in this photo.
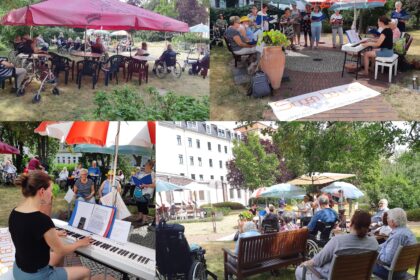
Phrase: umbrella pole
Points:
(85, 39)
(117, 140)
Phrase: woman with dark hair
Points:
(356, 240)
(384, 42)
(147, 193)
(34, 235)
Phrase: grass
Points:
(229, 101)
(73, 103)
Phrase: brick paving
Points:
(308, 75)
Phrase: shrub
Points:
(413, 215)
(126, 104)
(222, 210)
(228, 204)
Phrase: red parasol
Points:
(7, 149)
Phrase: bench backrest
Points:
(353, 265)
(256, 249)
(406, 257)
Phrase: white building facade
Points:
(65, 155)
(199, 151)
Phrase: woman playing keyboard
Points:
(384, 43)
(34, 235)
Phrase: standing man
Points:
(401, 15)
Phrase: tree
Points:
(166, 8)
(192, 12)
(258, 168)
(413, 7)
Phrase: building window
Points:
(192, 125)
(211, 177)
(209, 146)
(231, 193)
(182, 174)
(193, 176)
(200, 163)
(58, 159)
(74, 159)
(63, 159)
(198, 144)
(178, 123)
(68, 160)
(208, 128)
(228, 134)
(190, 142)
(239, 193)
(225, 149)
(191, 160)
(181, 159)
(201, 195)
(220, 164)
(201, 177)
(221, 133)
(219, 148)
(226, 164)
(178, 138)
(221, 178)
(210, 162)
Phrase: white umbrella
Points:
(200, 28)
(349, 190)
(316, 178)
(119, 33)
(283, 191)
(194, 186)
(257, 192)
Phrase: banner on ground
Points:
(320, 101)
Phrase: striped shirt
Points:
(4, 71)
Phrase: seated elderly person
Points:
(271, 220)
(357, 240)
(84, 188)
(382, 208)
(237, 42)
(143, 50)
(400, 235)
(62, 177)
(396, 33)
(246, 229)
(98, 47)
(168, 56)
(7, 70)
(383, 231)
(325, 215)
(202, 63)
(288, 221)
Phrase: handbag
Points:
(260, 86)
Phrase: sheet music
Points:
(122, 210)
(120, 231)
(352, 36)
(69, 196)
(100, 220)
(83, 210)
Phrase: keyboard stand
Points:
(358, 61)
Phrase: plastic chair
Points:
(89, 68)
(111, 67)
(62, 64)
(139, 67)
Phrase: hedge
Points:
(223, 210)
(413, 215)
(231, 205)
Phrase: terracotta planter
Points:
(272, 63)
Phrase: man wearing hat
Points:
(237, 42)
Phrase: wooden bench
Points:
(258, 254)
(237, 57)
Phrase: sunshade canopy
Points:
(95, 14)
(349, 190)
(283, 190)
(122, 150)
(350, 5)
(7, 149)
(316, 178)
(200, 28)
(164, 186)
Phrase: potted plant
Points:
(273, 58)
(245, 216)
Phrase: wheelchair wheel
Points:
(36, 98)
(197, 271)
(161, 71)
(177, 70)
(55, 91)
(312, 248)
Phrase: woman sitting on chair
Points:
(34, 235)
(384, 42)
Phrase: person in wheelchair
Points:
(358, 240)
(8, 70)
(270, 222)
(168, 57)
(10, 171)
(199, 65)
(326, 215)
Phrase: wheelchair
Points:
(216, 36)
(175, 258)
(319, 237)
(170, 65)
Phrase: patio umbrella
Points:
(125, 150)
(257, 192)
(283, 191)
(163, 186)
(119, 33)
(316, 178)
(7, 149)
(104, 133)
(200, 28)
(349, 190)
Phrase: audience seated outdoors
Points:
(84, 188)
(203, 63)
(399, 236)
(237, 42)
(271, 220)
(325, 215)
(167, 57)
(98, 47)
(143, 50)
(382, 208)
(246, 229)
(288, 221)
(357, 240)
(8, 70)
(62, 178)
(106, 186)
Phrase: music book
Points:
(120, 231)
(147, 179)
(111, 199)
(352, 36)
(92, 217)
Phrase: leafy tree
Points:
(166, 8)
(413, 7)
(258, 168)
(192, 12)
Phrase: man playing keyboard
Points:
(34, 235)
(384, 42)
